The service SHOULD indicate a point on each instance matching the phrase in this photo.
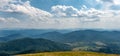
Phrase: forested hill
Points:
(29, 45)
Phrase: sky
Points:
(60, 14)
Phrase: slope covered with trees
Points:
(29, 45)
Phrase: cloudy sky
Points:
(60, 14)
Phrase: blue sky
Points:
(60, 14)
(47, 4)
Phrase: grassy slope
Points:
(68, 54)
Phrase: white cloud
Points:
(2, 20)
(4, 2)
(87, 18)
(15, 13)
(26, 16)
(116, 2)
(107, 4)
(60, 10)
(70, 11)
(24, 10)
(8, 20)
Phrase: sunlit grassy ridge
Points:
(68, 54)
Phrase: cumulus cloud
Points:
(70, 11)
(64, 11)
(16, 10)
(87, 18)
(16, 13)
(4, 2)
(24, 8)
(110, 4)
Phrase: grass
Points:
(73, 53)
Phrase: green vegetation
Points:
(29, 45)
(68, 54)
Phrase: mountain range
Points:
(86, 40)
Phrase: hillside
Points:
(68, 54)
(88, 40)
(54, 36)
(29, 45)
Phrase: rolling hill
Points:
(29, 45)
(88, 40)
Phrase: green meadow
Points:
(72, 53)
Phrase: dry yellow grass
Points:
(75, 53)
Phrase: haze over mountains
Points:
(58, 35)
(87, 40)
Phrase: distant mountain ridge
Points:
(87, 40)
(82, 35)
(56, 35)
